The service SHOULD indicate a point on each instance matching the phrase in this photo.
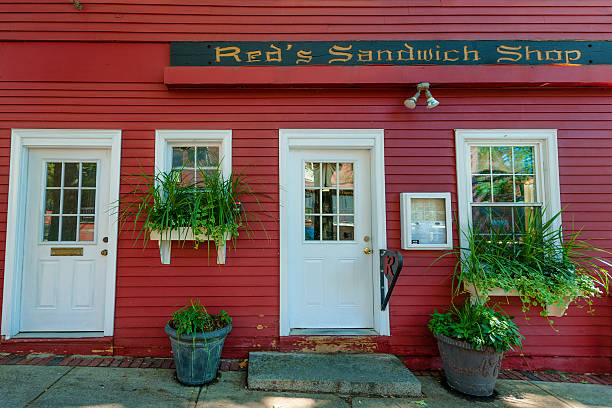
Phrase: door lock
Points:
(104, 252)
(367, 251)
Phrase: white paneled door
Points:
(66, 241)
(330, 253)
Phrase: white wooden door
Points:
(66, 235)
(330, 230)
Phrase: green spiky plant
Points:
(544, 263)
(166, 202)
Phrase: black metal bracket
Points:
(391, 263)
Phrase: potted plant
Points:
(540, 262)
(170, 207)
(472, 339)
(197, 339)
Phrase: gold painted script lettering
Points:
(340, 51)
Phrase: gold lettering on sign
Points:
(447, 58)
(569, 60)
(508, 50)
(437, 53)
(466, 54)
(528, 53)
(559, 55)
(274, 56)
(252, 56)
(340, 51)
(388, 52)
(304, 56)
(422, 55)
(227, 52)
(365, 55)
(410, 52)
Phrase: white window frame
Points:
(165, 140)
(406, 221)
(546, 171)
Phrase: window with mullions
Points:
(194, 159)
(504, 187)
(329, 209)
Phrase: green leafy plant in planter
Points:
(197, 339)
(177, 209)
(542, 263)
(472, 339)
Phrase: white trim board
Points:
(547, 168)
(21, 141)
(336, 139)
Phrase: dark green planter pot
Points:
(197, 361)
(470, 371)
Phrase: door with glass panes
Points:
(330, 246)
(66, 240)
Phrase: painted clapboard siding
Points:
(419, 150)
(58, 72)
(172, 20)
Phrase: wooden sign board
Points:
(343, 53)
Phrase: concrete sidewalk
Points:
(105, 387)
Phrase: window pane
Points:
(187, 176)
(88, 201)
(183, 157)
(71, 175)
(54, 174)
(503, 190)
(329, 228)
(311, 228)
(88, 178)
(501, 220)
(69, 225)
(207, 156)
(481, 219)
(312, 174)
(501, 158)
(480, 160)
(311, 199)
(52, 201)
(481, 189)
(525, 189)
(70, 201)
(328, 201)
(523, 159)
(329, 174)
(51, 228)
(86, 229)
(346, 175)
(347, 228)
(523, 216)
(347, 205)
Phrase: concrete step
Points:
(362, 374)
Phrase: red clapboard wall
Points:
(67, 74)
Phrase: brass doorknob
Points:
(104, 252)
(367, 251)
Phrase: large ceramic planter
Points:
(468, 370)
(197, 359)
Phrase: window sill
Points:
(165, 238)
(551, 310)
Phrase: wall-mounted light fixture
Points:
(410, 103)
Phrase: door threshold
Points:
(333, 332)
(57, 335)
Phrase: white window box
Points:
(551, 310)
(165, 238)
